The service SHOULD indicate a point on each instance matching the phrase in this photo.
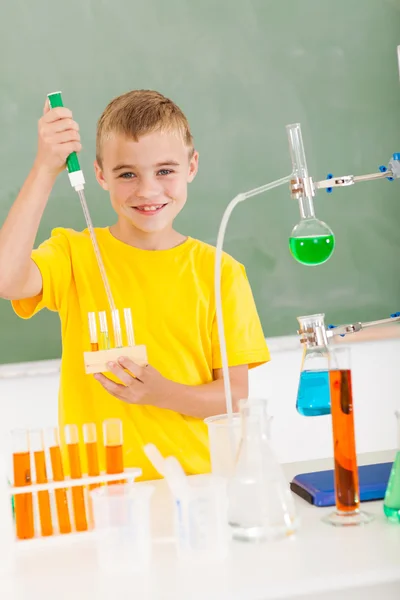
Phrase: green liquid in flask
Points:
(312, 250)
(391, 504)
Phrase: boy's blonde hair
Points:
(138, 113)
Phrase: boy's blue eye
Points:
(164, 171)
(128, 175)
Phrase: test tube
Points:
(344, 445)
(113, 441)
(37, 447)
(23, 503)
(346, 473)
(94, 343)
(104, 338)
(129, 326)
(90, 439)
(117, 328)
(78, 497)
(53, 443)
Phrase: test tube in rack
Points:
(78, 496)
(24, 522)
(52, 441)
(39, 458)
(113, 446)
(94, 341)
(92, 457)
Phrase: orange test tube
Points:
(94, 342)
(37, 446)
(23, 503)
(53, 443)
(78, 496)
(113, 441)
(90, 439)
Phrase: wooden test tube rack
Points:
(96, 360)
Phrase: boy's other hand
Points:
(140, 385)
(58, 136)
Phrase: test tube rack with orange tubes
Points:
(49, 504)
(101, 351)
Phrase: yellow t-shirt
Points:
(171, 295)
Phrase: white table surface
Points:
(322, 562)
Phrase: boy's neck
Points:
(159, 240)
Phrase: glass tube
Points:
(113, 445)
(347, 493)
(300, 171)
(94, 342)
(90, 440)
(37, 447)
(117, 328)
(129, 326)
(53, 443)
(24, 521)
(78, 496)
(104, 337)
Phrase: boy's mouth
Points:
(149, 209)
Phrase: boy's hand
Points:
(58, 136)
(145, 386)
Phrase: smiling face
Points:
(146, 179)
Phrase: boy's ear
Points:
(100, 175)
(193, 166)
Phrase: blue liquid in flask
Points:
(313, 396)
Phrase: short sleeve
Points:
(53, 259)
(245, 341)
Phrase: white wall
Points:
(31, 401)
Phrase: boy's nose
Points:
(148, 188)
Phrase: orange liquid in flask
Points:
(94, 346)
(78, 497)
(46, 524)
(346, 474)
(64, 521)
(23, 502)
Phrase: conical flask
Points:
(391, 503)
(261, 505)
(313, 394)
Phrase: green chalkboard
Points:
(241, 71)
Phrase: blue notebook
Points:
(318, 488)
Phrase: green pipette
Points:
(73, 167)
(77, 180)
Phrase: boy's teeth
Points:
(150, 208)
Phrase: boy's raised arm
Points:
(58, 136)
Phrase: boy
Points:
(144, 159)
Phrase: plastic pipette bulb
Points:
(311, 242)
(77, 181)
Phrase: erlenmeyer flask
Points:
(391, 504)
(261, 505)
(313, 395)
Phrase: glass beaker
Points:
(311, 242)
(347, 492)
(261, 505)
(121, 515)
(313, 395)
(223, 433)
(224, 436)
(201, 528)
(391, 503)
